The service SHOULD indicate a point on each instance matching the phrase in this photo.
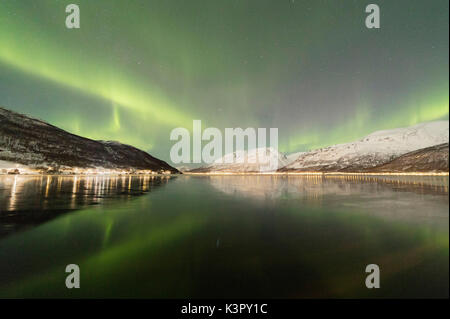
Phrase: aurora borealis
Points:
(137, 69)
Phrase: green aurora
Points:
(137, 69)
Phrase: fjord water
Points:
(224, 236)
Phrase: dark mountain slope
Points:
(430, 159)
(33, 142)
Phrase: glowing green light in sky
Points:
(134, 71)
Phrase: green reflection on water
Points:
(242, 236)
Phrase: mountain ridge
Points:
(429, 159)
(373, 150)
(260, 160)
(45, 147)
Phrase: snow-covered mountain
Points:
(375, 149)
(371, 151)
(257, 160)
(183, 168)
(293, 156)
(30, 143)
(430, 159)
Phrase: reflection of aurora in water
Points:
(279, 237)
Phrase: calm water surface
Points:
(224, 236)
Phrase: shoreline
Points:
(91, 175)
(325, 173)
(245, 173)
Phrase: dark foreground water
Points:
(224, 236)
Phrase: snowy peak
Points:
(256, 160)
(417, 136)
(374, 149)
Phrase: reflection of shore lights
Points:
(322, 173)
(13, 199)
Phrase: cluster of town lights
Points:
(79, 171)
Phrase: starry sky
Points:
(137, 69)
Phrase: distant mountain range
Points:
(373, 150)
(261, 160)
(381, 151)
(30, 143)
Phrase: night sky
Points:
(137, 69)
